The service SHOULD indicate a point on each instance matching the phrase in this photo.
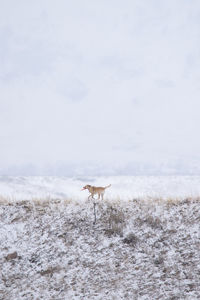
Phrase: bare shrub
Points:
(131, 239)
(159, 261)
(114, 217)
(153, 222)
(11, 256)
(50, 271)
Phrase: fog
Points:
(99, 87)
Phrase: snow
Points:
(144, 245)
(123, 187)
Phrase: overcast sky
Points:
(99, 87)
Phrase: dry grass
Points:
(142, 248)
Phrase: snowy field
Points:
(123, 187)
(145, 244)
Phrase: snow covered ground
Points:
(123, 187)
(144, 245)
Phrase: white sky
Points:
(99, 87)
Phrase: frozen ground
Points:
(145, 243)
(123, 187)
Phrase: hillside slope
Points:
(50, 249)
